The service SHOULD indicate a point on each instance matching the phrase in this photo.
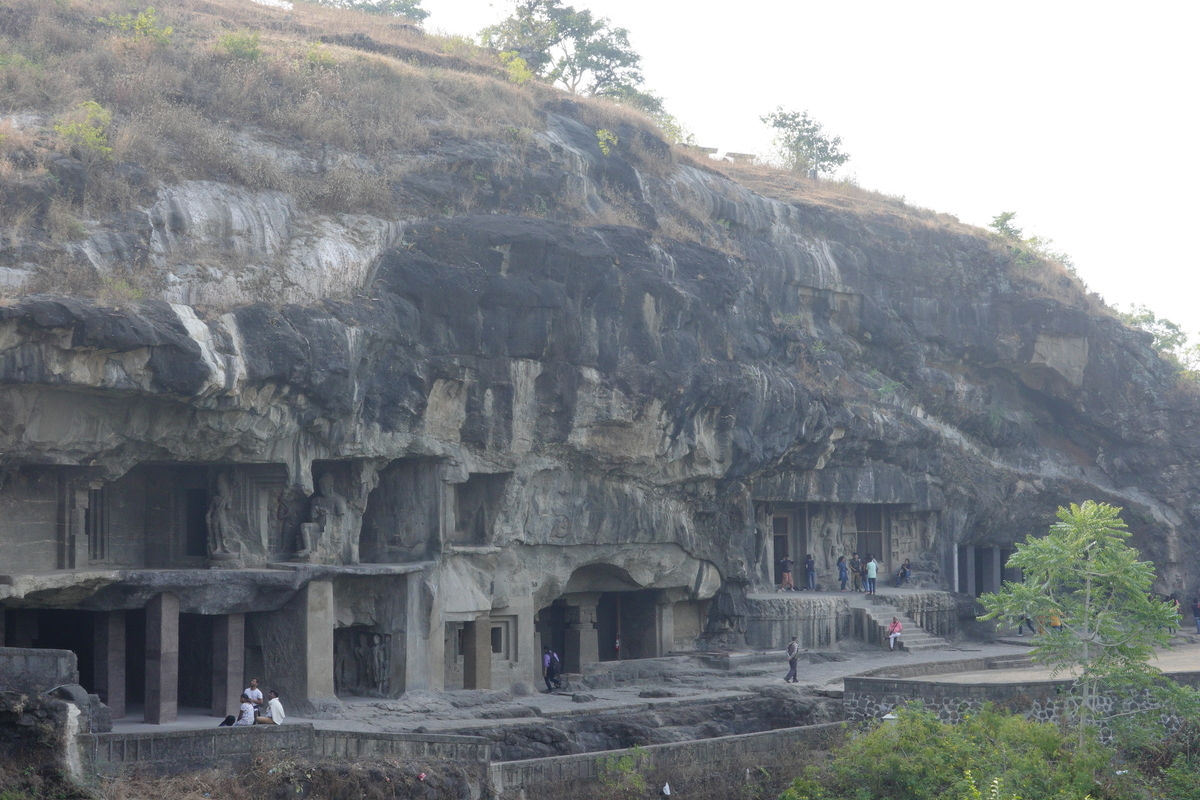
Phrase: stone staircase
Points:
(871, 616)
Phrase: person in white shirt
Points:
(254, 693)
(274, 713)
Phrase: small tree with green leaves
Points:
(143, 25)
(574, 48)
(1085, 574)
(86, 131)
(802, 143)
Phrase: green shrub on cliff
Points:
(920, 758)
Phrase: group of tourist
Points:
(863, 573)
(253, 711)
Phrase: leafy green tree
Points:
(1002, 224)
(581, 52)
(1086, 575)
(802, 143)
(655, 108)
(410, 9)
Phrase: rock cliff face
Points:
(607, 396)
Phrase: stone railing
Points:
(163, 753)
(723, 761)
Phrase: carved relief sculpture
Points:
(322, 538)
(222, 527)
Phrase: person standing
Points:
(1174, 600)
(856, 574)
(793, 654)
(810, 572)
(785, 574)
(1196, 611)
(843, 572)
(550, 668)
(872, 572)
(893, 633)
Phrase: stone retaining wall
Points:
(723, 761)
(1042, 700)
(164, 753)
(31, 669)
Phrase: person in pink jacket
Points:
(893, 633)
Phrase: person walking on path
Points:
(856, 572)
(810, 572)
(793, 654)
(550, 668)
(872, 572)
(893, 633)
(1021, 627)
(785, 574)
(843, 573)
(1196, 611)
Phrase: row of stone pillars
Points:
(162, 660)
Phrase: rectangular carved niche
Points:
(477, 502)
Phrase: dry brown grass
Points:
(178, 107)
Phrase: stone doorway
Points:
(626, 625)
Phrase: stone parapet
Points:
(724, 760)
(26, 669)
(165, 753)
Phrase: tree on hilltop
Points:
(802, 143)
(573, 48)
(410, 9)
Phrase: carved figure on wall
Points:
(221, 527)
(325, 532)
(361, 662)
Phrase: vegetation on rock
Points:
(1098, 619)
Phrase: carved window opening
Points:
(195, 523)
(95, 524)
(504, 638)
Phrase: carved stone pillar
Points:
(108, 637)
(582, 640)
(477, 653)
(162, 659)
(229, 662)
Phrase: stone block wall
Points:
(25, 669)
(166, 753)
(1045, 700)
(721, 761)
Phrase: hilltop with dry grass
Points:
(336, 125)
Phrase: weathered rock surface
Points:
(638, 394)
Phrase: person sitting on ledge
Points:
(905, 573)
(245, 711)
(274, 713)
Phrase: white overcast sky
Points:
(1081, 117)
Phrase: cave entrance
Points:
(195, 661)
(626, 625)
